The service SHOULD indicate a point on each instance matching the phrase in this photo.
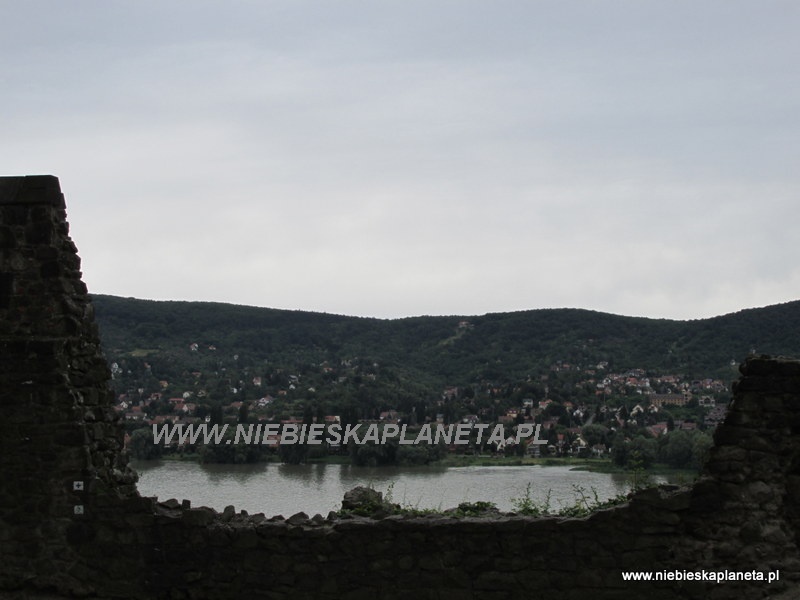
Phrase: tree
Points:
(216, 414)
(637, 453)
(685, 449)
(595, 434)
(244, 413)
(141, 445)
(701, 444)
(642, 453)
(676, 449)
(320, 416)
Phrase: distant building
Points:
(707, 401)
(715, 416)
(659, 400)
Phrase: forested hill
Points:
(430, 352)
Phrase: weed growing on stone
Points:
(376, 505)
(586, 502)
(526, 505)
(640, 479)
(584, 505)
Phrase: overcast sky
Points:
(390, 159)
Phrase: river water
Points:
(275, 489)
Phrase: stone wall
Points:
(73, 525)
(58, 429)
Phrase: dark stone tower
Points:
(59, 440)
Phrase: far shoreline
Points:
(595, 465)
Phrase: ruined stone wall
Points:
(59, 444)
(73, 525)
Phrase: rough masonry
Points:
(72, 523)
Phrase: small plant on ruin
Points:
(526, 505)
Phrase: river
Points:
(275, 489)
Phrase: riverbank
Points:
(594, 465)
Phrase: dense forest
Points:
(432, 352)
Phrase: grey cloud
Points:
(417, 157)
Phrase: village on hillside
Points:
(583, 412)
